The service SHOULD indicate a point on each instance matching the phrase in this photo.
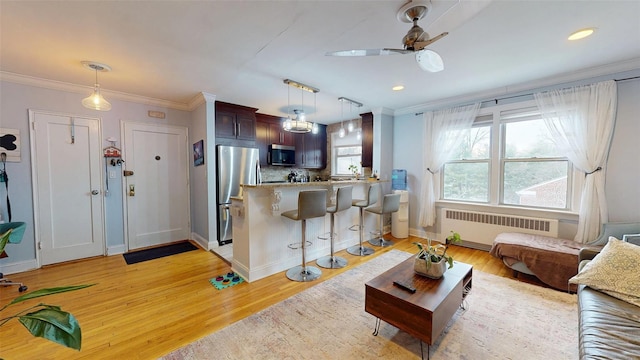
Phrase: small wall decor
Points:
(198, 153)
(10, 144)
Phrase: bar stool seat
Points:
(343, 202)
(311, 204)
(390, 204)
(371, 198)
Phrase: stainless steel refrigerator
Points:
(235, 166)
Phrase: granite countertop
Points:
(269, 185)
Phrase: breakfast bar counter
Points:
(261, 235)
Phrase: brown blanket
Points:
(553, 261)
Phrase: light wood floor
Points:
(146, 310)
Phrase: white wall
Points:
(623, 173)
(15, 101)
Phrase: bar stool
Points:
(343, 202)
(390, 204)
(311, 204)
(372, 198)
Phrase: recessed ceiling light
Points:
(581, 34)
(397, 88)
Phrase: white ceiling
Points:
(240, 51)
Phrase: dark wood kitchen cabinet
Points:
(311, 149)
(235, 124)
(367, 139)
(269, 131)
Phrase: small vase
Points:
(435, 271)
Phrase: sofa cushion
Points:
(609, 327)
(614, 271)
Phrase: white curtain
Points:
(581, 122)
(444, 130)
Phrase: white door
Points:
(66, 155)
(157, 194)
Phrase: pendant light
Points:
(95, 101)
(341, 132)
(350, 125)
(300, 123)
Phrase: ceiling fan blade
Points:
(419, 45)
(429, 60)
(368, 52)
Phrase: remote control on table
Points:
(404, 286)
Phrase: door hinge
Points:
(39, 245)
(33, 125)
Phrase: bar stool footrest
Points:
(327, 236)
(298, 245)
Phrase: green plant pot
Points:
(434, 271)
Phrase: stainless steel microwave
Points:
(281, 155)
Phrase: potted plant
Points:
(431, 261)
(43, 320)
(355, 170)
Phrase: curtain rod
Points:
(529, 94)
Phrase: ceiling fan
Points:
(415, 41)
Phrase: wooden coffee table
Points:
(425, 313)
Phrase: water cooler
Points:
(400, 218)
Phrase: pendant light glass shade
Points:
(96, 101)
(342, 132)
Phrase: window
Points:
(534, 173)
(523, 169)
(466, 177)
(347, 151)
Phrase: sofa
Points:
(609, 316)
(553, 261)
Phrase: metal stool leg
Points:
(304, 272)
(332, 261)
(381, 241)
(360, 250)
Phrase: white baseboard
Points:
(204, 243)
(18, 267)
(116, 250)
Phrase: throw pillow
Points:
(614, 271)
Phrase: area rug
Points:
(158, 252)
(224, 281)
(504, 319)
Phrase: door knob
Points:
(95, 192)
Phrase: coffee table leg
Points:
(422, 352)
(375, 331)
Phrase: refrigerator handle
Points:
(258, 173)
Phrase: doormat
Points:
(158, 252)
(226, 280)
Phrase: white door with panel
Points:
(157, 193)
(66, 158)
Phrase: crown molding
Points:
(200, 99)
(80, 89)
(527, 87)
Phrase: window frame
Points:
(496, 116)
(336, 144)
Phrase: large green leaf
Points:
(48, 291)
(4, 239)
(55, 325)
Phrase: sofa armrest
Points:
(587, 254)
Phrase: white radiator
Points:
(482, 228)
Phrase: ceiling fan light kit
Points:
(415, 41)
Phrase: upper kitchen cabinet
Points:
(367, 139)
(235, 124)
(311, 149)
(269, 131)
